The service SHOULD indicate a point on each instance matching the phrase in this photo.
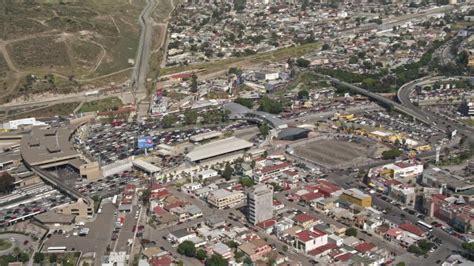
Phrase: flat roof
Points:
(222, 193)
(146, 166)
(206, 135)
(44, 146)
(217, 148)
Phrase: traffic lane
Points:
(395, 215)
(378, 242)
(126, 232)
(97, 239)
(160, 235)
(270, 239)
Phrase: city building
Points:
(15, 124)
(271, 171)
(255, 249)
(220, 150)
(307, 240)
(79, 208)
(223, 198)
(260, 203)
(357, 197)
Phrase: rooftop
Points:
(43, 146)
(412, 229)
(217, 148)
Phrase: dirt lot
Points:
(76, 40)
(337, 153)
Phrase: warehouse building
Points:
(221, 150)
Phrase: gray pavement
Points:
(97, 239)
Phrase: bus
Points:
(57, 249)
(425, 225)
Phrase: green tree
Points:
(23, 257)
(351, 231)
(415, 249)
(391, 154)
(264, 129)
(187, 248)
(216, 260)
(38, 257)
(301, 62)
(276, 186)
(245, 102)
(201, 254)
(169, 120)
(270, 105)
(285, 248)
(232, 244)
(53, 258)
(190, 117)
(6, 182)
(228, 170)
(248, 261)
(146, 194)
(247, 182)
(353, 60)
(303, 94)
(325, 47)
(400, 264)
(194, 83)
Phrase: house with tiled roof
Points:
(365, 247)
(307, 240)
(305, 220)
(255, 249)
(322, 250)
(413, 230)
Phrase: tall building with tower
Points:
(260, 203)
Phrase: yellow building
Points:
(357, 197)
(385, 136)
(347, 117)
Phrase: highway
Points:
(387, 102)
(404, 95)
(143, 53)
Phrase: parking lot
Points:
(97, 239)
(109, 143)
(399, 123)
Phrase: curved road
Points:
(404, 94)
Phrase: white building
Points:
(14, 124)
(260, 203)
(223, 198)
(206, 174)
(307, 240)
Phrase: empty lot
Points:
(337, 153)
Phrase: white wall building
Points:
(14, 124)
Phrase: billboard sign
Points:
(145, 142)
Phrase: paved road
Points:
(404, 96)
(157, 235)
(97, 239)
(375, 240)
(395, 216)
(374, 96)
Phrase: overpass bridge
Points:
(384, 101)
